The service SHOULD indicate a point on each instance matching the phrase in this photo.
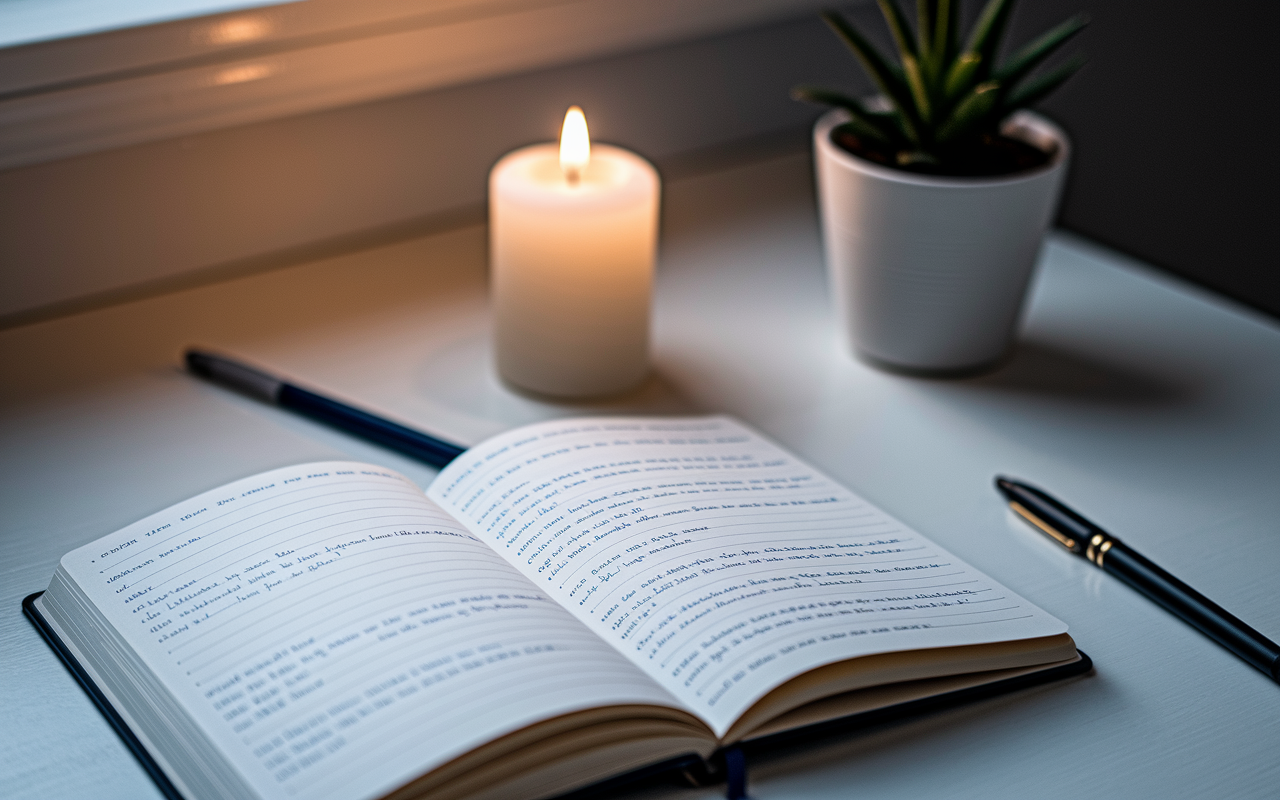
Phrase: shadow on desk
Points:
(1049, 371)
(461, 377)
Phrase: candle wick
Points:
(572, 175)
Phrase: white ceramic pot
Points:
(929, 273)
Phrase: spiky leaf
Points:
(962, 75)
(888, 79)
(919, 88)
(878, 126)
(1033, 91)
(898, 26)
(926, 13)
(943, 40)
(987, 33)
(972, 113)
(1037, 50)
(910, 58)
(932, 18)
(907, 157)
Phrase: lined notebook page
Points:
(717, 562)
(337, 634)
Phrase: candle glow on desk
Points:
(572, 235)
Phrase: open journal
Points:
(569, 601)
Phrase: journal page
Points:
(336, 633)
(717, 562)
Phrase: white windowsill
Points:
(132, 83)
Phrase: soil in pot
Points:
(990, 156)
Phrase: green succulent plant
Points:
(942, 103)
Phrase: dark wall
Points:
(1176, 121)
(1176, 124)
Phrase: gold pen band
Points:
(1098, 547)
(1044, 527)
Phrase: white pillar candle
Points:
(572, 239)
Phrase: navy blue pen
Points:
(1080, 536)
(262, 386)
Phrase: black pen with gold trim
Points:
(1084, 538)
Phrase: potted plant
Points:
(935, 194)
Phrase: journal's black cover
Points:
(99, 699)
(687, 771)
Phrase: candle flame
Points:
(575, 145)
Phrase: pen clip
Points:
(1045, 528)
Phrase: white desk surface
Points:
(1151, 407)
